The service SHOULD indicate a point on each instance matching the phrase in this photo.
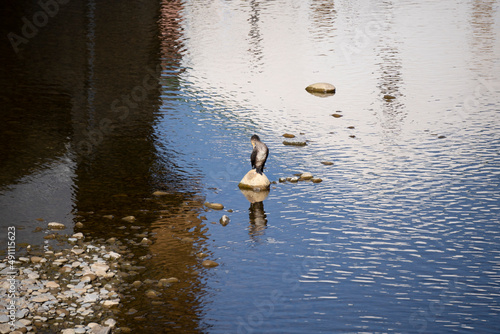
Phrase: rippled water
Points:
(403, 233)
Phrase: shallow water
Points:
(402, 234)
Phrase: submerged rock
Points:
(294, 143)
(288, 135)
(327, 163)
(254, 180)
(209, 263)
(129, 219)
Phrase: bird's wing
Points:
(253, 157)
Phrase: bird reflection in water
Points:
(258, 218)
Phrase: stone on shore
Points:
(56, 226)
(254, 180)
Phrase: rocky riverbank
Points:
(72, 290)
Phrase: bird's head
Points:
(254, 139)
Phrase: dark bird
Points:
(259, 154)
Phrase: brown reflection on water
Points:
(482, 21)
(390, 78)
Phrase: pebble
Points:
(294, 143)
(167, 281)
(151, 294)
(327, 163)
(209, 263)
(337, 115)
(52, 285)
(129, 219)
(214, 206)
(77, 251)
(79, 225)
(288, 135)
(294, 179)
(110, 322)
(321, 87)
(306, 176)
(108, 216)
(36, 259)
(224, 220)
(160, 193)
(146, 241)
(78, 235)
(56, 226)
(316, 180)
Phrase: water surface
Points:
(402, 234)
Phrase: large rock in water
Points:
(253, 180)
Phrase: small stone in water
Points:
(214, 206)
(146, 241)
(224, 220)
(288, 135)
(306, 176)
(160, 193)
(78, 225)
(327, 163)
(282, 179)
(337, 115)
(294, 179)
(129, 219)
(108, 216)
(151, 294)
(209, 263)
(316, 180)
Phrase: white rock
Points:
(78, 235)
(68, 331)
(110, 322)
(114, 255)
(99, 268)
(254, 180)
(56, 226)
(5, 328)
(52, 285)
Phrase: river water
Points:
(104, 104)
